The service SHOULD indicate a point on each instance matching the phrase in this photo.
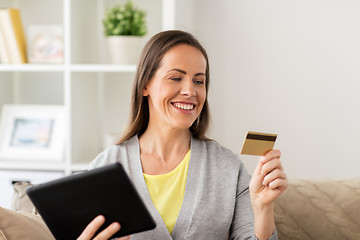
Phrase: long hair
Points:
(149, 62)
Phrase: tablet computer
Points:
(69, 204)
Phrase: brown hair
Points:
(150, 59)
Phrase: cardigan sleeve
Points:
(242, 226)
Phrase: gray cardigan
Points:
(216, 203)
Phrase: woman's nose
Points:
(188, 88)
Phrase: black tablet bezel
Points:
(69, 204)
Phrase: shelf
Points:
(31, 68)
(62, 68)
(42, 166)
(96, 95)
(102, 68)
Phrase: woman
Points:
(193, 187)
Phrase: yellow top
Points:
(167, 191)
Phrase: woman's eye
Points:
(199, 81)
(175, 78)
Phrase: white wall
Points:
(287, 67)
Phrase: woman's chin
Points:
(183, 125)
(187, 126)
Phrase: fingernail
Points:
(116, 225)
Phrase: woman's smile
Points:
(183, 106)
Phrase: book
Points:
(14, 36)
(4, 54)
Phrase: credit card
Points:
(258, 144)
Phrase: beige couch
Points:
(319, 210)
(308, 210)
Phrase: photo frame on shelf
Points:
(32, 132)
(45, 44)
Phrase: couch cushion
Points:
(22, 225)
(319, 209)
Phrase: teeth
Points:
(184, 106)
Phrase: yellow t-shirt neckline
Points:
(167, 191)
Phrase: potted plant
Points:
(124, 27)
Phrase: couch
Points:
(23, 222)
(319, 210)
(308, 210)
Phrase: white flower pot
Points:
(124, 49)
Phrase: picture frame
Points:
(45, 44)
(32, 132)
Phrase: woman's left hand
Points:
(94, 226)
(269, 180)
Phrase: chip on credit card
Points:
(258, 144)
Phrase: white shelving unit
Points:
(95, 94)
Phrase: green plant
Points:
(125, 20)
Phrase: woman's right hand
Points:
(95, 224)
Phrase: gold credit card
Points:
(258, 143)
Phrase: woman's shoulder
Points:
(107, 156)
(113, 154)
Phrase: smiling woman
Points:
(150, 61)
(193, 187)
(176, 93)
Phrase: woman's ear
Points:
(145, 92)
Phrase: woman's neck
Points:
(161, 151)
(165, 143)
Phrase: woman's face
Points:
(176, 93)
